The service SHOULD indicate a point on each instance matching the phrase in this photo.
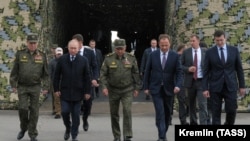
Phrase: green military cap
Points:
(119, 43)
(32, 37)
(54, 46)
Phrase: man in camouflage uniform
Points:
(119, 78)
(28, 73)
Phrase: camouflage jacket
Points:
(30, 69)
(120, 74)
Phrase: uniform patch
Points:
(38, 59)
(126, 61)
(24, 59)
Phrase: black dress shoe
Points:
(66, 134)
(116, 139)
(127, 138)
(184, 123)
(74, 139)
(162, 140)
(20, 135)
(85, 125)
(33, 139)
(57, 116)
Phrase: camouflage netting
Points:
(202, 17)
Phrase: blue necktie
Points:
(222, 57)
(163, 60)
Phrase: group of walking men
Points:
(215, 74)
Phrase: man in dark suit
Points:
(94, 74)
(223, 76)
(182, 95)
(99, 59)
(192, 64)
(145, 55)
(163, 79)
(72, 84)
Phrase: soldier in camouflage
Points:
(28, 76)
(119, 79)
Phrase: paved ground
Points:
(51, 129)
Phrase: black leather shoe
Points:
(162, 140)
(33, 139)
(116, 139)
(85, 125)
(57, 116)
(147, 97)
(20, 135)
(127, 138)
(184, 123)
(74, 139)
(66, 134)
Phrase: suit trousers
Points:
(163, 108)
(230, 99)
(72, 108)
(87, 105)
(195, 95)
(183, 105)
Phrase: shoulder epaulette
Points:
(110, 54)
(131, 54)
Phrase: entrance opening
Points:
(135, 21)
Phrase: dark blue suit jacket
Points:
(215, 73)
(99, 58)
(171, 75)
(144, 59)
(89, 54)
(72, 78)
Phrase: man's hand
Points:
(242, 92)
(136, 93)
(58, 93)
(105, 92)
(192, 69)
(94, 83)
(206, 94)
(87, 96)
(146, 92)
(176, 90)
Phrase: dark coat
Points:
(171, 75)
(74, 77)
(89, 54)
(215, 73)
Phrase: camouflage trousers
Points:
(28, 108)
(115, 98)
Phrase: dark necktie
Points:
(163, 60)
(72, 58)
(222, 57)
(195, 64)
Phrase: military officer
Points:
(119, 79)
(28, 77)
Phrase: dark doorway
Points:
(136, 21)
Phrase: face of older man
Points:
(120, 51)
(32, 46)
(73, 47)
